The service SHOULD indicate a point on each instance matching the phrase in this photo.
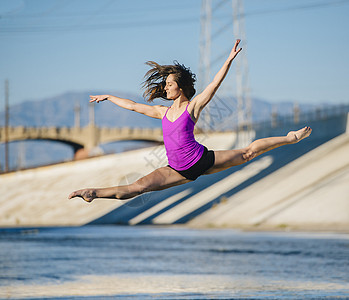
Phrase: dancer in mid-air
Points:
(186, 157)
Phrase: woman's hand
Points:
(201, 100)
(156, 111)
(235, 51)
(98, 98)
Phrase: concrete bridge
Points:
(86, 137)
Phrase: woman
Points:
(187, 158)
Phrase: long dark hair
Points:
(155, 80)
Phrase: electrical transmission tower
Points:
(211, 18)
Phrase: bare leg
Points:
(159, 179)
(258, 147)
(229, 158)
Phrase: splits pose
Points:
(186, 157)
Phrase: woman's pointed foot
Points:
(87, 194)
(297, 136)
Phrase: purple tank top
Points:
(183, 151)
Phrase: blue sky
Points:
(296, 50)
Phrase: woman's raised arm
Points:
(155, 111)
(201, 100)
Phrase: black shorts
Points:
(200, 167)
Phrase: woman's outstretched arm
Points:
(201, 100)
(155, 111)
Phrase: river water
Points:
(135, 262)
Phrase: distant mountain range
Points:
(59, 111)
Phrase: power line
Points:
(299, 7)
(135, 24)
(150, 23)
(135, 11)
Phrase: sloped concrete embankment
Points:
(311, 192)
(261, 194)
(38, 197)
(182, 204)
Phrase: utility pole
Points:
(205, 44)
(77, 110)
(236, 23)
(92, 114)
(244, 105)
(92, 138)
(7, 118)
(205, 53)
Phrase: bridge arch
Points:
(22, 133)
(87, 137)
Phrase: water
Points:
(109, 262)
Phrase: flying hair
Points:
(155, 80)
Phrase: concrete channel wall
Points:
(311, 192)
(303, 186)
(38, 197)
